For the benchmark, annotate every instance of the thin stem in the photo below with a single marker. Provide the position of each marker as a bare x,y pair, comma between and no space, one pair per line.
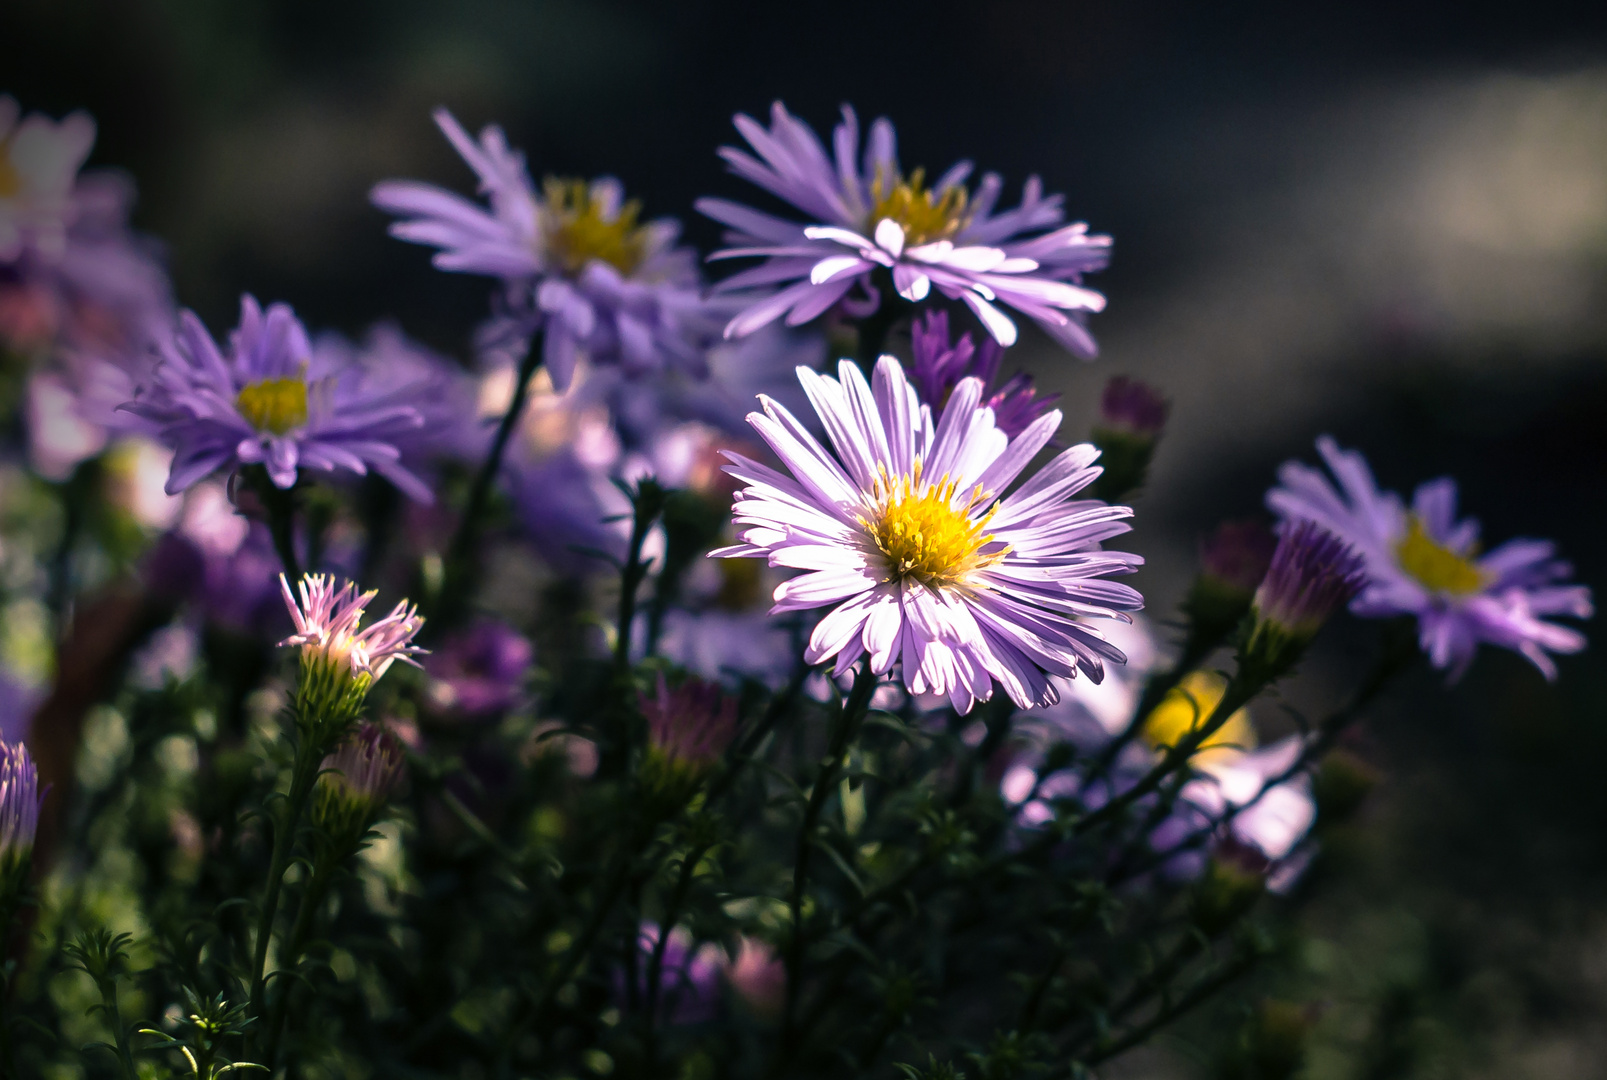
647,503
311,899
107,984
848,722
655,963
303,776
462,546
1201,992
281,507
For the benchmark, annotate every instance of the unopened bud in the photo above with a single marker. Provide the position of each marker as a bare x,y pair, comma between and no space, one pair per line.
355,782
1312,573
19,816
1132,415
1234,880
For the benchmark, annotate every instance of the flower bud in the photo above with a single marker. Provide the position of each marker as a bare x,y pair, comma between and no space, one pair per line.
1132,415
1312,573
1342,783
691,725
341,659
355,782
19,816
1232,563
1233,882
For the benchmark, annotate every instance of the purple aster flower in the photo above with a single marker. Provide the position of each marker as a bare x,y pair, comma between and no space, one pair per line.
938,364
364,768
271,401
330,634
573,258
19,811
692,724
478,672
867,215
1425,563
907,535
689,983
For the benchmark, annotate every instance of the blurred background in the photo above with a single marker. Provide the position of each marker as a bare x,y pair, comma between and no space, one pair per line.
1383,220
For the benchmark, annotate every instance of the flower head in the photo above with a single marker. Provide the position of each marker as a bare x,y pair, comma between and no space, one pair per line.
329,628
692,724
1132,406
19,811
1232,563
907,535
355,781
938,364
575,259
1312,573
864,216
1424,562
39,163
273,401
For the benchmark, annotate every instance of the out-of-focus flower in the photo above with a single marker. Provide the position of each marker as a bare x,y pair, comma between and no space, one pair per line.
136,478
271,401
689,986
714,642
575,261
394,370
1312,573
19,814
758,976
1425,563
71,272
938,364
1186,708
59,436
691,725
1232,563
1132,415
478,672
868,216
330,634
904,533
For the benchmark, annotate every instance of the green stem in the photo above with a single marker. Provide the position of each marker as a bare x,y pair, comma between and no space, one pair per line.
848,722
281,507
459,563
646,505
1199,994
107,985
303,776
311,899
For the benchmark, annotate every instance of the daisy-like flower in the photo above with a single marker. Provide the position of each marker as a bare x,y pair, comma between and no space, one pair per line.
908,534
271,400
868,215
330,633
1424,562
573,257
938,363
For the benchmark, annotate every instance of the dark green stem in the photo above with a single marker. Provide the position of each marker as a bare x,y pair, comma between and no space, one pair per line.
655,963
459,561
281,507
847,726
312,898
647,503
304,775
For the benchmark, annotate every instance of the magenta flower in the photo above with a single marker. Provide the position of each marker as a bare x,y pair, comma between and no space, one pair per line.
479,672
907,535
1132,407
1422,561
19,806
867,215
365,768
938,364
692,724
329,629
272,400
573,259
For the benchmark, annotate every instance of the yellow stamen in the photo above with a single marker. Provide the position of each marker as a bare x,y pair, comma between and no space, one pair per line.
276,405
924,533
10,178
576,231
1434,565
1187,707
925,215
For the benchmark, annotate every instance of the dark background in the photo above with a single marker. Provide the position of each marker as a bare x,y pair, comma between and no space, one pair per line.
1383,220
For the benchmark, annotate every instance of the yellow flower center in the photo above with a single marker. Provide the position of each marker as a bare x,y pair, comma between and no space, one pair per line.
925,215
1187,707
1435,566
10,178
924,533
576,230
276,405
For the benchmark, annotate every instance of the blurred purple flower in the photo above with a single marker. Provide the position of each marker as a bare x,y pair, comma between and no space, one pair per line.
1237,555
692,724
478,672
1425,563
868,215
937,366
271,400
689,986
573,259
1132,406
